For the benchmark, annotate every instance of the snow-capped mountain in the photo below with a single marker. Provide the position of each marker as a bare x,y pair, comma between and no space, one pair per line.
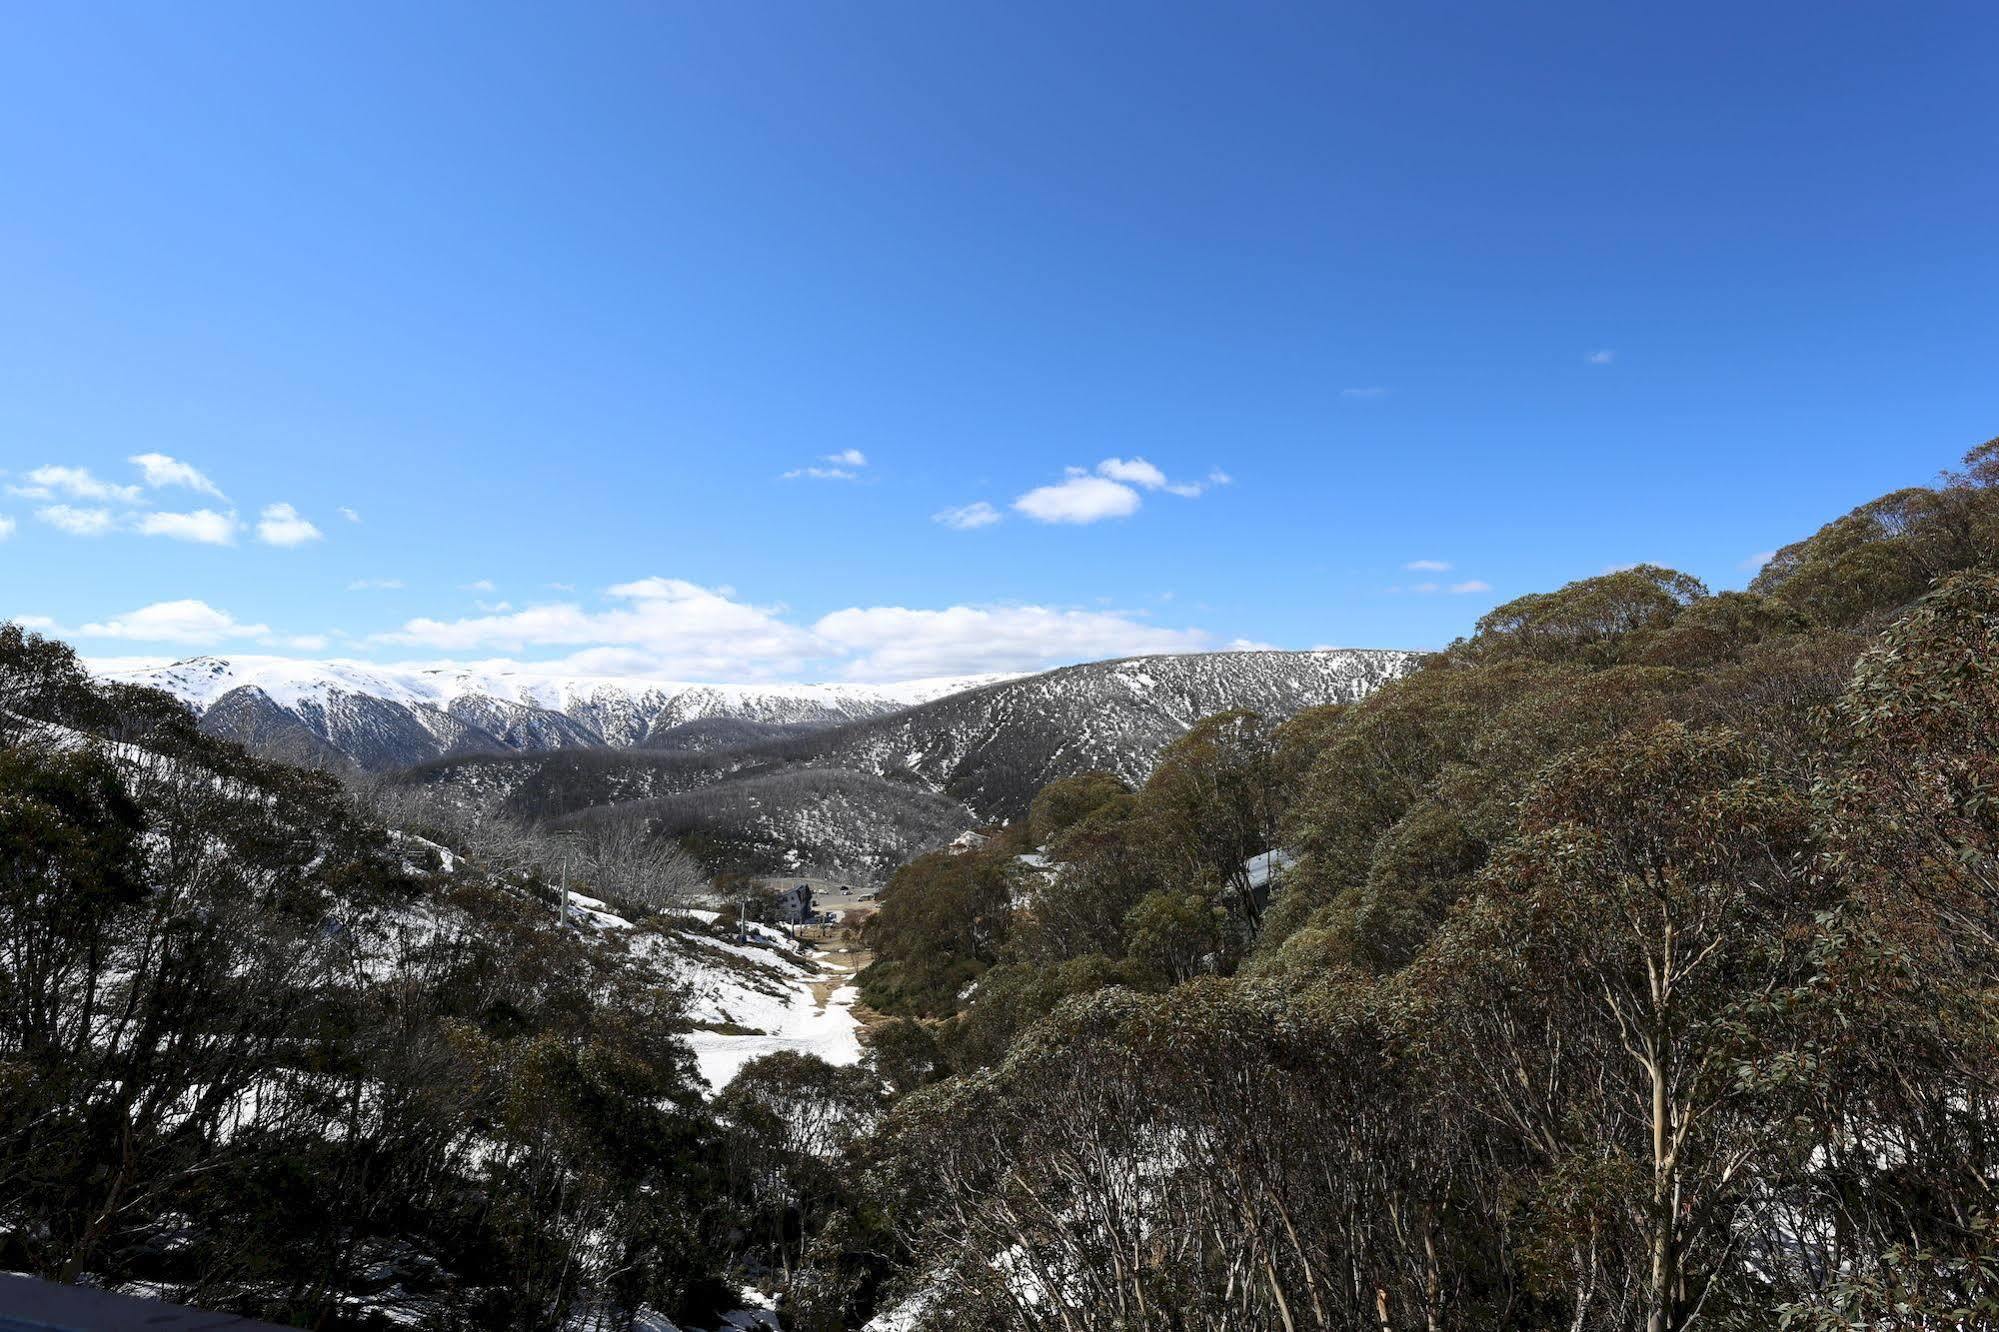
386,717
841,778
994,746
853,798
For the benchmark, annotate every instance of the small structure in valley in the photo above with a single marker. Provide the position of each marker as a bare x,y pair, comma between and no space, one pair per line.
794,905
1262,873
968,841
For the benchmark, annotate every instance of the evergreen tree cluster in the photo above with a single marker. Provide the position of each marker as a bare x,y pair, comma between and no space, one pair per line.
1639,967
260,1054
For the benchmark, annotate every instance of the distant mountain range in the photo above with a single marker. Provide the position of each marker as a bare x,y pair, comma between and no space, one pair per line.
843,779
383,718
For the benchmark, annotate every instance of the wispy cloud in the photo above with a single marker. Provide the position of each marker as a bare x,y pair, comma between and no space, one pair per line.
1431,588
375,585
75,482
674,629
1428,566
968,517
477,585
282,525
842,467
895,642
1603,356
1135,471
109,506
6,527
348,514
77,521
1757,561
160,471
188,622
203,526
1112,491
1370,391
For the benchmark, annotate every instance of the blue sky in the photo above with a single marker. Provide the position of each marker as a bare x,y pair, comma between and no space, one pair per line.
517,331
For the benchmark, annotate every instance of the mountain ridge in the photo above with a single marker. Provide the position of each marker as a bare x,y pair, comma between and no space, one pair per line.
380,718
848,779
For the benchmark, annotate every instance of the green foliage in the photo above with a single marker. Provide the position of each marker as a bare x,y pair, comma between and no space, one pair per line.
1174,937
250,1055
942,922
1013,996
1884,554
1594,621
1061,804
1637,971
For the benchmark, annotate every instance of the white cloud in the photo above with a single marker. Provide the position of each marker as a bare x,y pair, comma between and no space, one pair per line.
348,514
1603,357
1371,391
302,642
477,585
159,471
894,642
187,622
6,527
1428,566
842,469
281,525
374,584
668,628
1080,499
203,525
1113,492
1430,589
1757,561
75,521
659,626
75,482
1136,472
967,517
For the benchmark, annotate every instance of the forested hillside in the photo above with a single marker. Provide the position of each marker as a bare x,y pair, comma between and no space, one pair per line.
1629,963
908,779
261,1052
1636,970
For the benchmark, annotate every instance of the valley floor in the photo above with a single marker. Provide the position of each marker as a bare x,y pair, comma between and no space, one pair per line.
816,1018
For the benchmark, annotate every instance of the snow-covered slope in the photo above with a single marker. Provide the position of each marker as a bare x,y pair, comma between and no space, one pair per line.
853,800
383,717
846,780
995,746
